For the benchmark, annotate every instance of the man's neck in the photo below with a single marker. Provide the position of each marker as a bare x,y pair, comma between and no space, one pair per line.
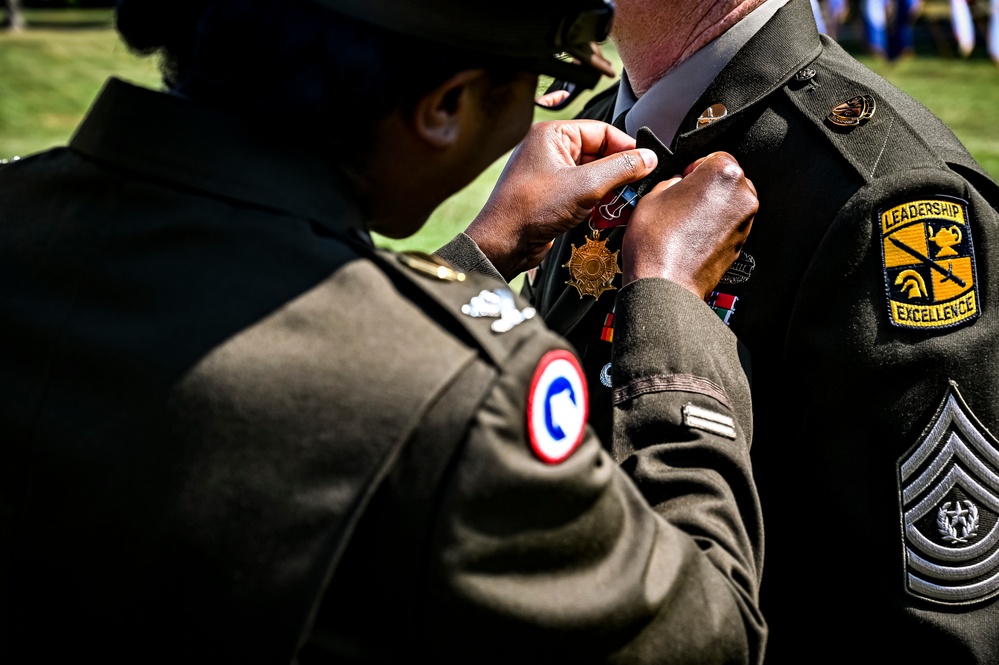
653,37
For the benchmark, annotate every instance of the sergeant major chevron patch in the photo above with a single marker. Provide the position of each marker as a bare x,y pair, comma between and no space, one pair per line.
949,497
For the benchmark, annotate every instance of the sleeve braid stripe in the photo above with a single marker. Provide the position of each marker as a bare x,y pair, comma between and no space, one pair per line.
671,382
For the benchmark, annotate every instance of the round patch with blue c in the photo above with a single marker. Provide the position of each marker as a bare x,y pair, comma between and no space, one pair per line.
557,406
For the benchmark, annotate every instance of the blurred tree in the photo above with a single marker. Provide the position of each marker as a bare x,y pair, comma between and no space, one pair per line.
15,19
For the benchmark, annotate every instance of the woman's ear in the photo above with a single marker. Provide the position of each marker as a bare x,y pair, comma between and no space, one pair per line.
440,115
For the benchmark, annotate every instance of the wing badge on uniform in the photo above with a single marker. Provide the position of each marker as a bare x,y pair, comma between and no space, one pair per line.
499,305
949,498
929,263
557,406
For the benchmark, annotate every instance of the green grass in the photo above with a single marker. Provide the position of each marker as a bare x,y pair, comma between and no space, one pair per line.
49,77
50,73
962,93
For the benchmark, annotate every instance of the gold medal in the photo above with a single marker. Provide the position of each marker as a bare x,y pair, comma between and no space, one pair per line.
592,267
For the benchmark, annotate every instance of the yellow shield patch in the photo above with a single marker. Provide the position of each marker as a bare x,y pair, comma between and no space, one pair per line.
929,263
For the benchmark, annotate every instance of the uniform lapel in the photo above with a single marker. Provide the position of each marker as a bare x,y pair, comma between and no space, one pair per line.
566,308
765,63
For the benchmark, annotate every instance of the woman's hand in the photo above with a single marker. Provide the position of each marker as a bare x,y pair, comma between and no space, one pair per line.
689,230
557,174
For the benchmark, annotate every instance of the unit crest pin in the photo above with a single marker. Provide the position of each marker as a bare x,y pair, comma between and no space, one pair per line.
853,112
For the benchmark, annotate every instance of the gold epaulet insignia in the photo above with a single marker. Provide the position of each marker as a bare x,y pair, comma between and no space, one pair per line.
431,265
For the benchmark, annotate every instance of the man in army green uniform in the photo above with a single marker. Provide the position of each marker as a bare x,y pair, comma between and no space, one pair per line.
234,431
866,301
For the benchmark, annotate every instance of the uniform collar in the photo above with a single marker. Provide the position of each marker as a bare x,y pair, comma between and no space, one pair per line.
771,57
779,50
196,147
664,106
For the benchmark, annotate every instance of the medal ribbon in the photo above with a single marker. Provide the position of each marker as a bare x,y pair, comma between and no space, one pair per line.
614,209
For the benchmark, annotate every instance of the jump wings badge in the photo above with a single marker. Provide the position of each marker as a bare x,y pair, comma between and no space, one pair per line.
929,263
949,496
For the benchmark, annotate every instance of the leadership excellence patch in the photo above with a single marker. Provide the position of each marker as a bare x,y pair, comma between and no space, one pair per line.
929,263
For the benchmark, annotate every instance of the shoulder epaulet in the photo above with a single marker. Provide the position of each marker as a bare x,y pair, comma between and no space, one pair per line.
866,128
488,312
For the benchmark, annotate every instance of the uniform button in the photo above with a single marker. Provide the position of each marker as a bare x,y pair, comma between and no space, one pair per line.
806,74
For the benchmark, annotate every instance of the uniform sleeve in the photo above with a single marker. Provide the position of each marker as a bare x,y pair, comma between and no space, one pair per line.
568,562
893,349
464,254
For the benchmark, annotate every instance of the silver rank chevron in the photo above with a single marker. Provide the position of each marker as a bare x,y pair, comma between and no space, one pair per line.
949,497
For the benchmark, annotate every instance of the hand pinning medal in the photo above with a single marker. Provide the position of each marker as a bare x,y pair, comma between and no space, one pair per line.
592,267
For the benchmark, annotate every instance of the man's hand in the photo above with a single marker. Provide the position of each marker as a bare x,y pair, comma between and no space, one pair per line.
553,179
689,230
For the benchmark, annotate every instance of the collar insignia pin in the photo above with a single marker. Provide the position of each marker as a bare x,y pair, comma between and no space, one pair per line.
853,112
713,113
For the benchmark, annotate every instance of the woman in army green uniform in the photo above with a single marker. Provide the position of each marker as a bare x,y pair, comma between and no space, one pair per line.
235,431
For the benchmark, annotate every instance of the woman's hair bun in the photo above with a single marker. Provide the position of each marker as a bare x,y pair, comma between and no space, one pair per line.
148,26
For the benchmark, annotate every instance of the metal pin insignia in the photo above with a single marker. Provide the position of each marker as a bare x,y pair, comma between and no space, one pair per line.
853,112
430,265
713,113
498,305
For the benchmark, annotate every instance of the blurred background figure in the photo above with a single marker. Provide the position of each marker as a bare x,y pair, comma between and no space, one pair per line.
963,25
876,26
820,20
901,39
888,26
994,30
830,15
838,10
14,18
